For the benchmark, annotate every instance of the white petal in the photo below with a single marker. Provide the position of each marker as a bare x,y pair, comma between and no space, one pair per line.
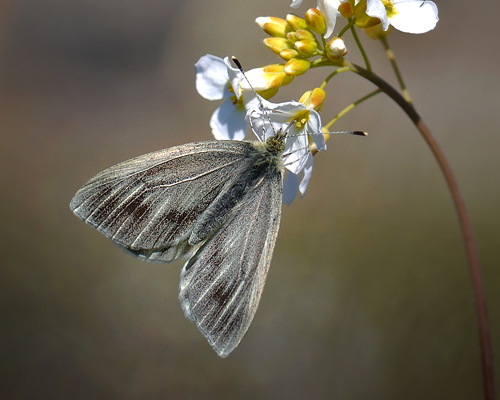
296,151
261,126
290,187
283,113
251,101
235,77
376,9
212,78
414,16
228,122
308,168
314,129
330,10
289,108
257,119
296,3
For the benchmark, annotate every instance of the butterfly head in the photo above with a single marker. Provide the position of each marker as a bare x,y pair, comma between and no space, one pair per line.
276,144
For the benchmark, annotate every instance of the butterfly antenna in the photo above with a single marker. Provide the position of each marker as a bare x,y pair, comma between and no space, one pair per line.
261,105
356,133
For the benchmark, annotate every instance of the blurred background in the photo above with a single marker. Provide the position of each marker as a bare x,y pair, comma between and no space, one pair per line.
368,295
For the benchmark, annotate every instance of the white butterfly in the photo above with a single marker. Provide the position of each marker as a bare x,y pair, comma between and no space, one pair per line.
217,203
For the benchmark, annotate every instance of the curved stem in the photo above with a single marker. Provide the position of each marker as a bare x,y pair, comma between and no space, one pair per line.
465,224
336,72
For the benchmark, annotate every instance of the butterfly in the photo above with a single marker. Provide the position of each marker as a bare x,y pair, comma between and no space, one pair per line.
217,203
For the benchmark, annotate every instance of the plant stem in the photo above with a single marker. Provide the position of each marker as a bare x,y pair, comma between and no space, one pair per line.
465,224
360,47
392,59
350,107
346,28
336,72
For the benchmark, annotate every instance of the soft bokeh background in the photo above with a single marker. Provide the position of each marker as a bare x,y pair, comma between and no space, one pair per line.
368,295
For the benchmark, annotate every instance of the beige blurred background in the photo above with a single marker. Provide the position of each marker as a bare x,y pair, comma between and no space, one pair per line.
368,295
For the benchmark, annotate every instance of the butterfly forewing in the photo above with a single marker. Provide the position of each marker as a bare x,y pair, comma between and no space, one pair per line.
222,283
148,205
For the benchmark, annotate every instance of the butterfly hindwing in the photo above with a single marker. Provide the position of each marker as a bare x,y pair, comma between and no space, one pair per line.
148,204
221,284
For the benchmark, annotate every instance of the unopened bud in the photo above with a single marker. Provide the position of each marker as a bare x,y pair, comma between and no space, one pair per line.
313,99
306,47
316,21
265,78
296,22
303,34
346,9
277,44
273,26
335,49
296,67
291,36
288,54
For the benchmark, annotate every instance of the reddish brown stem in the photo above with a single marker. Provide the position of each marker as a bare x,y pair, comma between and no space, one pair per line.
465,224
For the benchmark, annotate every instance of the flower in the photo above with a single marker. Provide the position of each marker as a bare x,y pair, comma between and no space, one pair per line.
216,79
410,16
298,121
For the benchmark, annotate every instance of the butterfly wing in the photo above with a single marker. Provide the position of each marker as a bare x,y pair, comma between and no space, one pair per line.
222,283
148,204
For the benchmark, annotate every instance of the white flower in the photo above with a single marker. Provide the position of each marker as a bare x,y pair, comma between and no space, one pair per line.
410,16
216,79
298,121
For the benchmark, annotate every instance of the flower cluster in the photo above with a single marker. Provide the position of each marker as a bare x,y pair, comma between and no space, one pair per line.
302,44
410,16
295,40
216,79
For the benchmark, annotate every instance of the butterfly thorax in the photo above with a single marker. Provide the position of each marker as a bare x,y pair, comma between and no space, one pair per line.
270,153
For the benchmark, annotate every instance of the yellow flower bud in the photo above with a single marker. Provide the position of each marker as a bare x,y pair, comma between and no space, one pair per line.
274,26
335,49
306,47
296,22
296,67
346,9
316,21
313,99
276,45
291,36
288,54
303,34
